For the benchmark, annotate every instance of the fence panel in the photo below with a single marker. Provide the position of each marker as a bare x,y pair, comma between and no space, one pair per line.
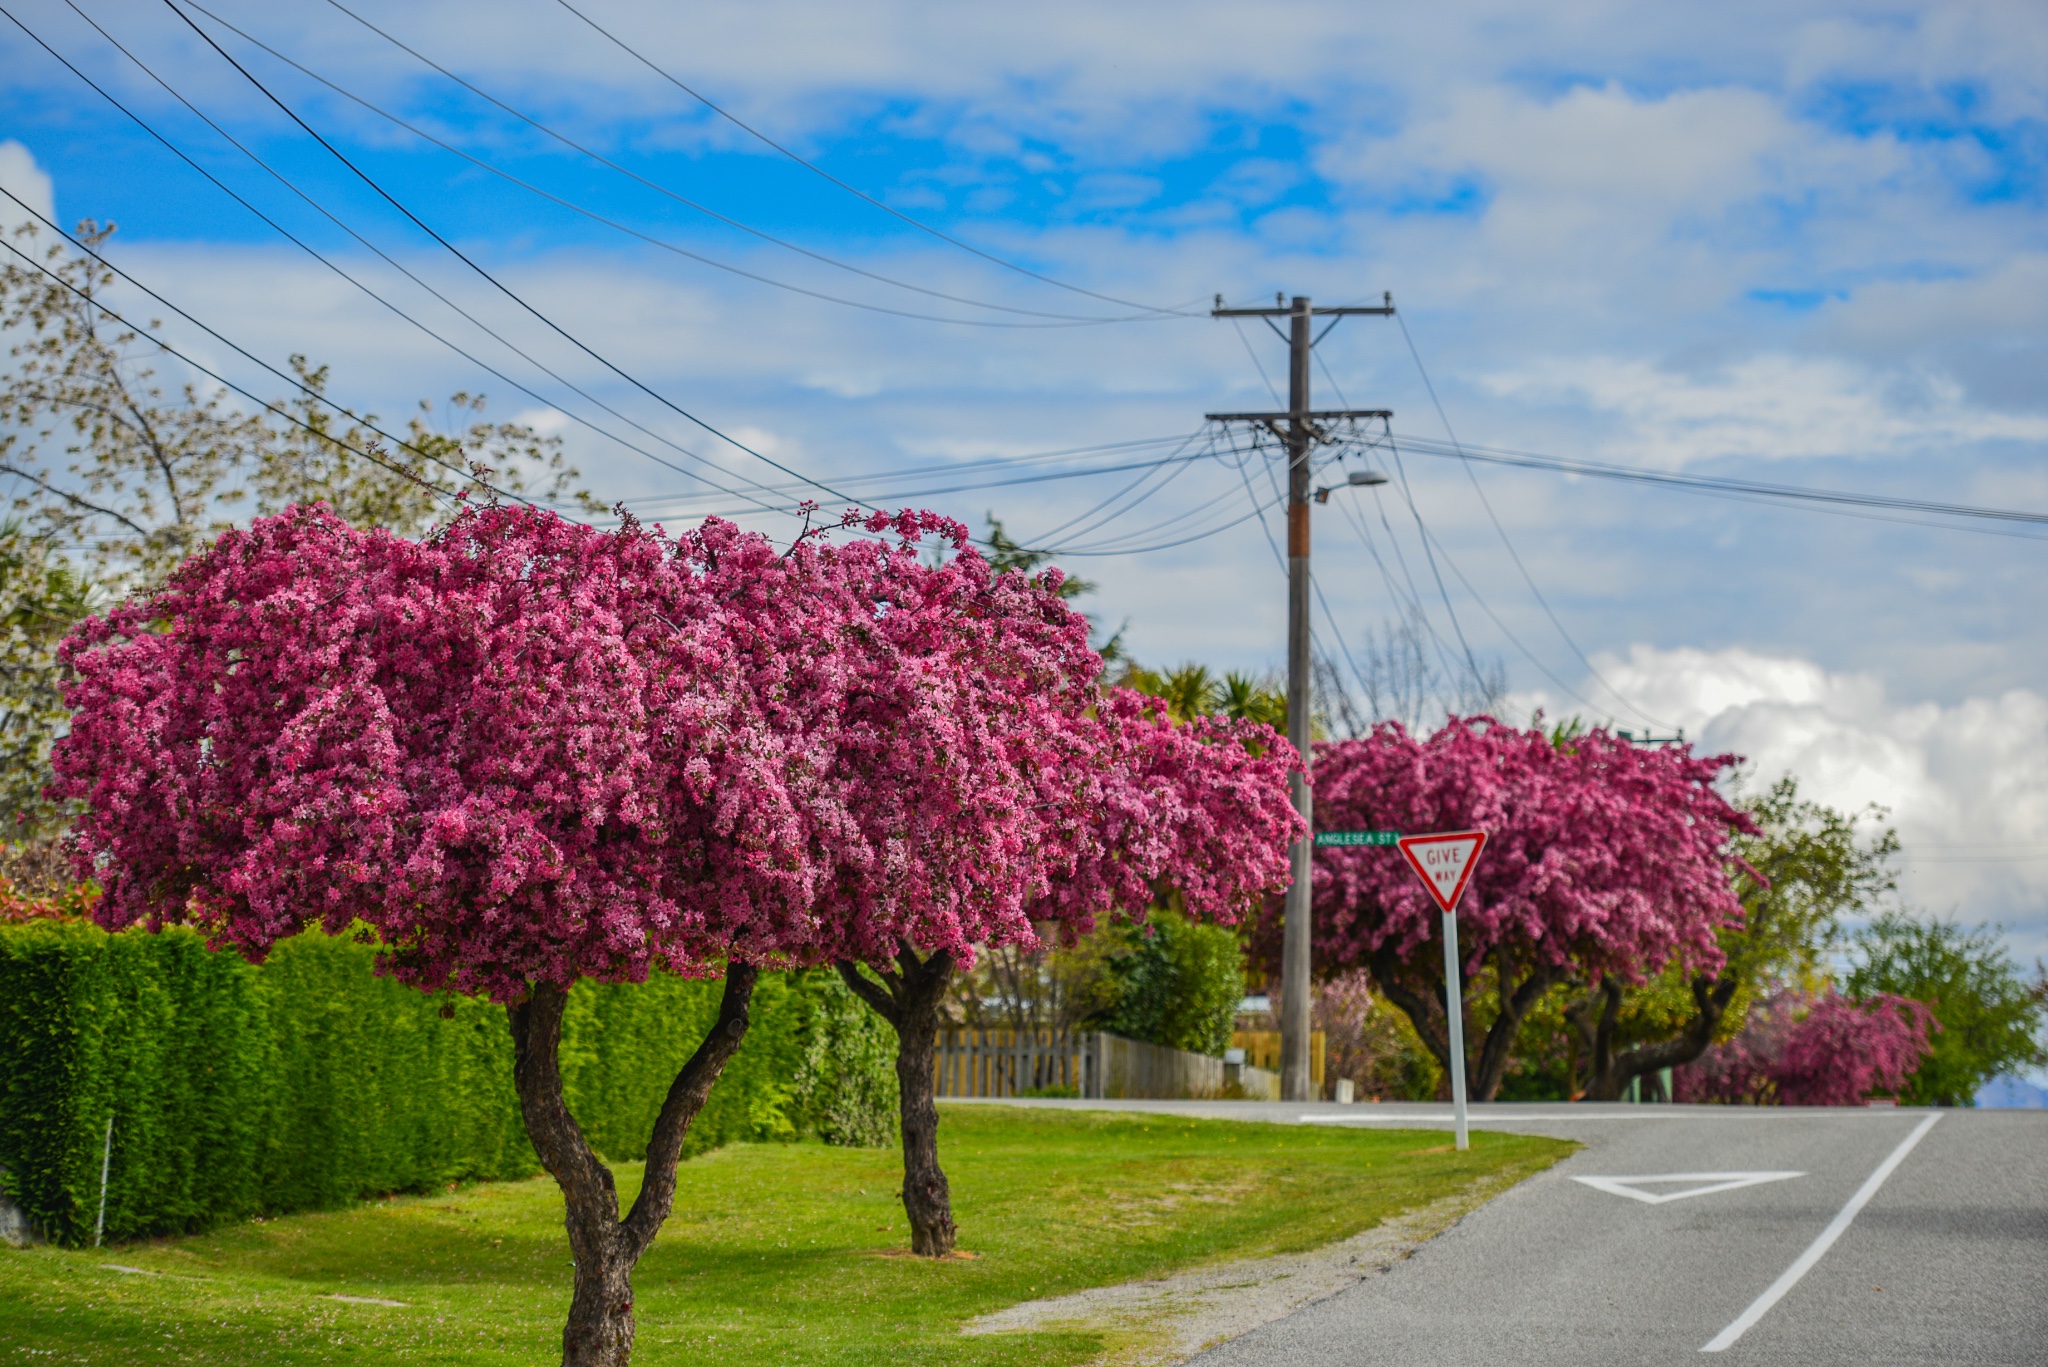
1001,1063
998,1063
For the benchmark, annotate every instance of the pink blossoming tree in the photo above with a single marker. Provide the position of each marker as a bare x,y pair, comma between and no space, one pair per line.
996,791
1605,861
521,753
1820,1051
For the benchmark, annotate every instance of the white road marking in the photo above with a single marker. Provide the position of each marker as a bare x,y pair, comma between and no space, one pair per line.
1490,1120
1419,1121
1714,1182
1761,1306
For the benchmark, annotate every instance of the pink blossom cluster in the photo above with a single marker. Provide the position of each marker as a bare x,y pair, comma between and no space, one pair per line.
1603,857
527,751
1143,806
1813,1051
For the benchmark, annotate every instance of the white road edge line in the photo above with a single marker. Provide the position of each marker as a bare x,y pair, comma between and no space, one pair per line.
1761,1306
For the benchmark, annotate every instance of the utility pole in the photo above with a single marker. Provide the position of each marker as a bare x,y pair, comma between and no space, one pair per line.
1300,432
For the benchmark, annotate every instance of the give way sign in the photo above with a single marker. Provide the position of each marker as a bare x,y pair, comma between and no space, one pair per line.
1444,862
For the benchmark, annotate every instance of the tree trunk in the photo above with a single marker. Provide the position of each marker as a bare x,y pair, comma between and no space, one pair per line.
606,1248
908,997
1423,1003
1609,1071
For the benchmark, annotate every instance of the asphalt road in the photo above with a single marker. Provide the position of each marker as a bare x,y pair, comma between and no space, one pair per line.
1945,1261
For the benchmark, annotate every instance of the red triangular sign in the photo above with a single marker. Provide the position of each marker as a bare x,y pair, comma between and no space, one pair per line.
1444,862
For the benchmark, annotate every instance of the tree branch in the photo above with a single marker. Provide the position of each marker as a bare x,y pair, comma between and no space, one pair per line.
1710,998
1430,1027
9,468
877,995
1514,1008
686,1096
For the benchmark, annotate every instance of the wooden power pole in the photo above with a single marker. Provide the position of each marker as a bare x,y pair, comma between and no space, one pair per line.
1300,431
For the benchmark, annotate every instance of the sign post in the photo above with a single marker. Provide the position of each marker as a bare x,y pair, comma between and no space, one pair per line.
1444,862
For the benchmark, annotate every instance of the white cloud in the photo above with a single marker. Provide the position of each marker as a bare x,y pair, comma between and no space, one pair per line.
27,182
1966,784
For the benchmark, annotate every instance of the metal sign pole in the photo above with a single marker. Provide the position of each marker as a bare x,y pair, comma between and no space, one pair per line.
1454,1003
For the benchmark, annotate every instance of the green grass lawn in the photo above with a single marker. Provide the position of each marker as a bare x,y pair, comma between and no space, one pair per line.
776,1253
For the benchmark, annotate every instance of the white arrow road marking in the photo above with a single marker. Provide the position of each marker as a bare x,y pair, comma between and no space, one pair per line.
1706,1184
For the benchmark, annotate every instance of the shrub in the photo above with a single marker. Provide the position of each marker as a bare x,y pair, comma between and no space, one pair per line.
1177,983
1371,1043
815,1063
311,1082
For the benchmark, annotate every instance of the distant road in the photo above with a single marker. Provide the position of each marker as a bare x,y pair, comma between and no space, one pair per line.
1945,1261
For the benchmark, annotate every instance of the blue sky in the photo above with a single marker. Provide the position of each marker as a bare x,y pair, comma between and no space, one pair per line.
1792,242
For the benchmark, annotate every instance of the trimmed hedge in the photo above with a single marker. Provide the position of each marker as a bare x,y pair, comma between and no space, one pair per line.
310,1082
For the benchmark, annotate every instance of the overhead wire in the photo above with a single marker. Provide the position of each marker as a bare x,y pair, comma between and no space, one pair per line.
1089,516
964,467
1164,545
318,256
511,294
1069,320
1414,595
858,193
1509,633
1257,364
1120,545
1849,502
365,452
1408,497
1280,561
1414,600
667,191
1444,417
871,497
1429,551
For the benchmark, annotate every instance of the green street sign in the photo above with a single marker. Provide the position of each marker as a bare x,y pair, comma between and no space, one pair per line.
1357,838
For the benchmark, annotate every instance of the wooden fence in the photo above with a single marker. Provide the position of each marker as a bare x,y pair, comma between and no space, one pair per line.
998,1063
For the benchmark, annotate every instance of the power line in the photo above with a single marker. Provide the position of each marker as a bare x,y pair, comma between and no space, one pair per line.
1069,320
242,351
1169,545
1514,555
1430,546
1150,465
1725,486
1413,603
1408,497
922,227
493,280
365,452
1085,516
1185,515
654,185
1260,365
1505,631
1415,597
313,252
994,463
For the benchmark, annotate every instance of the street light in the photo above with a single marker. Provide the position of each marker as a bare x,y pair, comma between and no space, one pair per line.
1357,478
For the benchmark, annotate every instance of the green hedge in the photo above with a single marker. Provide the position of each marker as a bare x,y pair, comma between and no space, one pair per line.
311,1082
